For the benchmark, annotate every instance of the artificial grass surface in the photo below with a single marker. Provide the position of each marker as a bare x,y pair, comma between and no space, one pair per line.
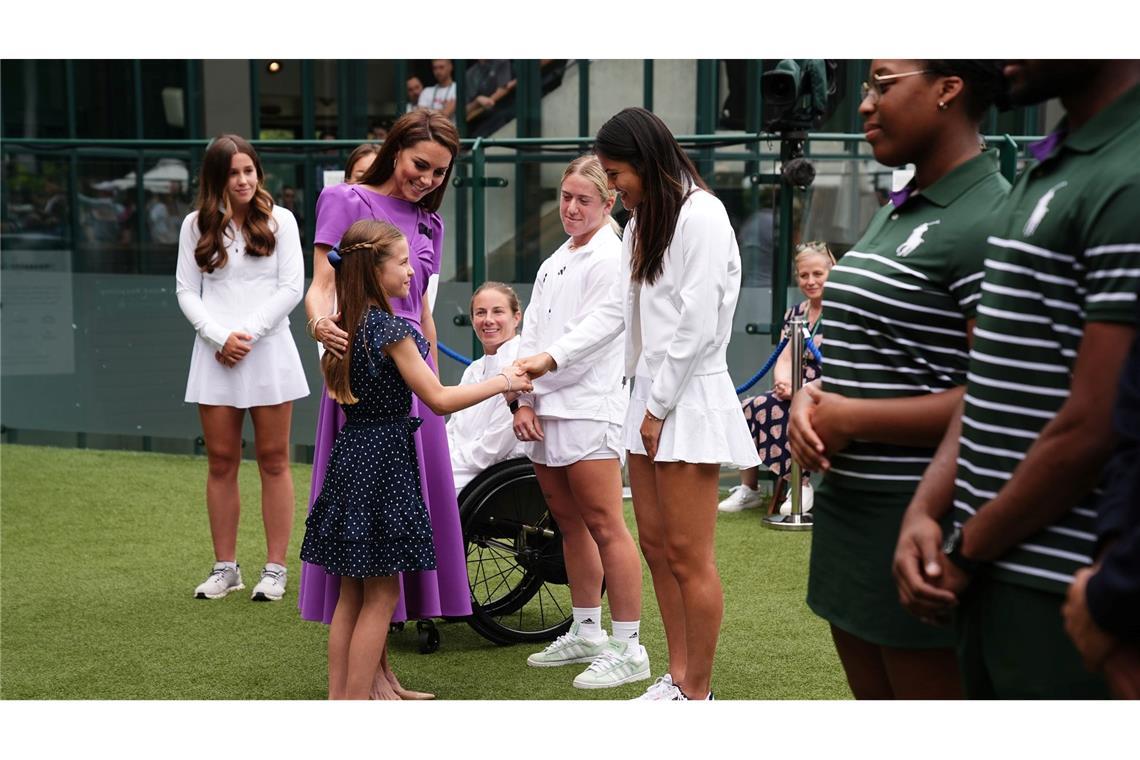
100,551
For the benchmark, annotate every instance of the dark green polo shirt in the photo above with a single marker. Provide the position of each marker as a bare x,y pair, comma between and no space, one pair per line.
895,309
1062,251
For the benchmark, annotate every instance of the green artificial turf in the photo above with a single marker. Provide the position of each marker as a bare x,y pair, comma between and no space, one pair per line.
100,551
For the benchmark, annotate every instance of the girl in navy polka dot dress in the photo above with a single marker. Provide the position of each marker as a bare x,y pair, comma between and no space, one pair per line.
370,521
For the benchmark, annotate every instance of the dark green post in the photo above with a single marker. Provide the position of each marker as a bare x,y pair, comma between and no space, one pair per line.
583,97
647,84
706,112
1007,153
478,241
783,260
254,100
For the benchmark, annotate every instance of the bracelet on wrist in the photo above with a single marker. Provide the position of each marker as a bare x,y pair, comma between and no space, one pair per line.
650,415
506,377
316,322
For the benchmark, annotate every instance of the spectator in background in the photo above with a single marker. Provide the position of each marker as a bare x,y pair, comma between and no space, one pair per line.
441,95
289,200
415,89
379,131
488,82
360,161
767,414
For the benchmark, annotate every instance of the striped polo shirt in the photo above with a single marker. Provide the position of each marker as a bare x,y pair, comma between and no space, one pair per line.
895,309
1062,251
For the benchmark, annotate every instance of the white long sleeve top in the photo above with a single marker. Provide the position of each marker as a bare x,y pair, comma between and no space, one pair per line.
679,326
483,435
570,286
252,294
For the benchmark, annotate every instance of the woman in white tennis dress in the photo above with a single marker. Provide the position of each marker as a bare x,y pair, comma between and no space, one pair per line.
240,272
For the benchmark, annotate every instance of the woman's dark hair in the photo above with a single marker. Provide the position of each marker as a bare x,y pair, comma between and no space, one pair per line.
215,214
983,79
641,139
412,128
363,249
359,152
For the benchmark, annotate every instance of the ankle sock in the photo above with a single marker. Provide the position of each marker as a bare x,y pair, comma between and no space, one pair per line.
627,631
589,620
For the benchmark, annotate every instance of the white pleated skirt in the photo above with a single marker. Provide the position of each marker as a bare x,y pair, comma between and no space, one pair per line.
271,373
706,427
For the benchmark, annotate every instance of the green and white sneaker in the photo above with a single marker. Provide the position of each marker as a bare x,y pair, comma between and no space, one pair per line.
621,662
568,649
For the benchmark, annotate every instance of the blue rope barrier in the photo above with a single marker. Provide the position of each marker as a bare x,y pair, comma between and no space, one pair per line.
740,389
811,346
454,354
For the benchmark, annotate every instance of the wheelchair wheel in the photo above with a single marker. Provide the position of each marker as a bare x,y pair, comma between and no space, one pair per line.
515,568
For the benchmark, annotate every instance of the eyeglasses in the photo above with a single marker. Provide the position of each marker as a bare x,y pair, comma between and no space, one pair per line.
874,89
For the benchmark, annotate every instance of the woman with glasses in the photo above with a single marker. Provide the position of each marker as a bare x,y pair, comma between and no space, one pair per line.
898,316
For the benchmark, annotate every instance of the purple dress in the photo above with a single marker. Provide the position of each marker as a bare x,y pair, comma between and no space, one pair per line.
443,592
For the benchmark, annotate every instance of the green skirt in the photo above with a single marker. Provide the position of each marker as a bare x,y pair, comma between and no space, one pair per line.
850,582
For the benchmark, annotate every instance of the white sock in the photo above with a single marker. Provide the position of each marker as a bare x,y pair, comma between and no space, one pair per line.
230,565
627,631
276,568
589,620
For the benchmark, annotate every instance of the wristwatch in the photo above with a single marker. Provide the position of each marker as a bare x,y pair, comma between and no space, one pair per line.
952,548
513,406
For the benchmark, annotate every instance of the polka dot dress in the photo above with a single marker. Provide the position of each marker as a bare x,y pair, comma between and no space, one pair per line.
370,518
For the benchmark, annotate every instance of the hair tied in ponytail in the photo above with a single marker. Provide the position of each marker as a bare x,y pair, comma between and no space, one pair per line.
334,257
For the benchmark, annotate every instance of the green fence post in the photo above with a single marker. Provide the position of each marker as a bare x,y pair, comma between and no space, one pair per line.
584,96
647,84
1007,152
478,214
783,261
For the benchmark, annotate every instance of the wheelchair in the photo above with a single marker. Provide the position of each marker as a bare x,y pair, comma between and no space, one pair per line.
519,589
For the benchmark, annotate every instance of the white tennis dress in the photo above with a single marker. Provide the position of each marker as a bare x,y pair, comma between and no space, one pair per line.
252,294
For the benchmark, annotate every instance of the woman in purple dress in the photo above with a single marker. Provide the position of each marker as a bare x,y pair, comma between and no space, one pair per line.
404,186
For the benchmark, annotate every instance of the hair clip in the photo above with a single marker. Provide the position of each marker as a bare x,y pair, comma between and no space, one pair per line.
425,231
334,257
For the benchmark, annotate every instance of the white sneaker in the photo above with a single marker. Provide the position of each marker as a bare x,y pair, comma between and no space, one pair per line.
740,498
807,499
271,587
622,662
680,697
662,690
568,649
222,580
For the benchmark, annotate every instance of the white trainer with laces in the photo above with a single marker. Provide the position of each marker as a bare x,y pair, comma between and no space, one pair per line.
621,662
567,649
662,690
271,587
222,580
740,498
807,499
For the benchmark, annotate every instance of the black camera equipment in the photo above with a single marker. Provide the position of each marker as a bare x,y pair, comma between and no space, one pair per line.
798,95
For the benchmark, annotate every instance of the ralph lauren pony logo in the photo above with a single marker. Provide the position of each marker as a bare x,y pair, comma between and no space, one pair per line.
1041,209
426,231
915,239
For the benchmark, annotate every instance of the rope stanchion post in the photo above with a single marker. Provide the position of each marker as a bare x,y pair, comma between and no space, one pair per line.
796,520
